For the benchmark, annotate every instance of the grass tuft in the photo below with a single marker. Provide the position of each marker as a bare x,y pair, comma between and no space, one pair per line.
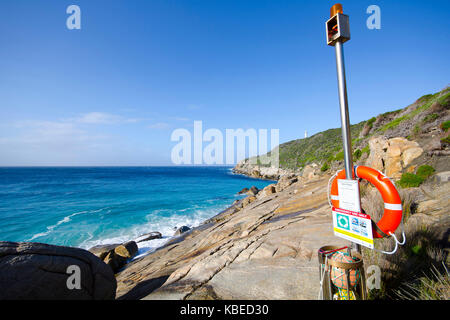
410,180
425,171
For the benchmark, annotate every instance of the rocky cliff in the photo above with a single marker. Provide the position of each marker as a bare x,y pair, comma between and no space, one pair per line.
403,135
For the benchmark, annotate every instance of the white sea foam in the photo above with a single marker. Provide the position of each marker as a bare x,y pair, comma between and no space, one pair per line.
165,225
54,226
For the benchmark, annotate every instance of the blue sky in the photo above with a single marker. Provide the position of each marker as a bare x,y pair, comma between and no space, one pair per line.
113,92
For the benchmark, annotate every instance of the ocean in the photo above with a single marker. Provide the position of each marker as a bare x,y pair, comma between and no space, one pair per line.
88,206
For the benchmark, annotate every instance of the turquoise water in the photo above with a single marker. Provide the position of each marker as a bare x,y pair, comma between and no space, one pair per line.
85,206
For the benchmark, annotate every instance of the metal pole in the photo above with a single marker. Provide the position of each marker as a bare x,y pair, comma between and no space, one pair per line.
345,120
343,102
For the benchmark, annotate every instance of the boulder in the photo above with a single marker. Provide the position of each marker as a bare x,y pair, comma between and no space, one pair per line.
37,271
434,144
245,190
253,191
442,177
115,261
410,154
393,164
310,171
428,206
116,255
181,230
248,200
393,155
149,236
268,190
256,173
286,181
127,250
378,147
102,250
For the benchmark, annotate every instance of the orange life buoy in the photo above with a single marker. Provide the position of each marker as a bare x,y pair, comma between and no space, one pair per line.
392,216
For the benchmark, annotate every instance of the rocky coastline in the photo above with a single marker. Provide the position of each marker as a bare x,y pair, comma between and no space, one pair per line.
263,246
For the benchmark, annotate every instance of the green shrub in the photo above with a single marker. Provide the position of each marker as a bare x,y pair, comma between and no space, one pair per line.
427,103
394,123
339,156
425,171
371,121
444,100
445,126
431,117
325,167
446,140
366,149
410,180
425,98
434,285
417,130
357,154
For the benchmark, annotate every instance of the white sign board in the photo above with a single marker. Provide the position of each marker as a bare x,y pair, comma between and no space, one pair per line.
349,195
353,226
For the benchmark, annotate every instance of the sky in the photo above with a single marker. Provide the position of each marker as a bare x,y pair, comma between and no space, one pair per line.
112,92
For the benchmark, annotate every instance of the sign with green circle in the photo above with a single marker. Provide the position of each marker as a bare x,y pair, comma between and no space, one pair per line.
343,221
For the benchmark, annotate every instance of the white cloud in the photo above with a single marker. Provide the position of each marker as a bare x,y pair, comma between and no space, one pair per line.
91,138
159,126
99,118
180,119
103,118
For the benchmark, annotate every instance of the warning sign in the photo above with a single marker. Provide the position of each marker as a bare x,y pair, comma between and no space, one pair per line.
353,226
349,195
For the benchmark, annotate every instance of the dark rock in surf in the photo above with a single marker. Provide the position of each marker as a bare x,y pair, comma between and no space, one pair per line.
149,236
253,191
181,230
245,190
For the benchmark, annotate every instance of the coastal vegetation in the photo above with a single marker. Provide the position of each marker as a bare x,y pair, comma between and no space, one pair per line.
411,180
326,146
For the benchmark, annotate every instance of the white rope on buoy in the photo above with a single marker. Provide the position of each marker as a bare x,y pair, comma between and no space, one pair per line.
397,243
322,276
329,188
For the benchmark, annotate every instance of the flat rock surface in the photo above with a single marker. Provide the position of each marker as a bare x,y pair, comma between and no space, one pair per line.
267,250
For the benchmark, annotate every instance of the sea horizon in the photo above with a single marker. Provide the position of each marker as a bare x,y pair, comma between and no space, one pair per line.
85,206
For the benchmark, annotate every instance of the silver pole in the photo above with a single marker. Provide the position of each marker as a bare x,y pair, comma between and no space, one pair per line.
345,120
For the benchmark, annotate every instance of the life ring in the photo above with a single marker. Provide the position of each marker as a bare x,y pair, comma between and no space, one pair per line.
392,216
